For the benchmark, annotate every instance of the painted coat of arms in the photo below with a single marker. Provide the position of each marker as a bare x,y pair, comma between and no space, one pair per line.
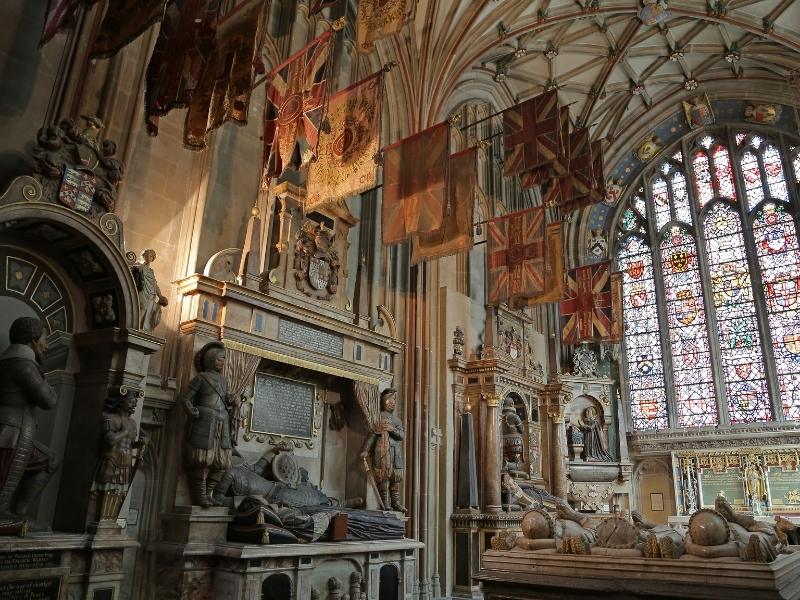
77,189
316,262
698,111
763,114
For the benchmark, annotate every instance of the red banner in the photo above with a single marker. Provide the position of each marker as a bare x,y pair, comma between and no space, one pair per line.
532,134
415,184
516,255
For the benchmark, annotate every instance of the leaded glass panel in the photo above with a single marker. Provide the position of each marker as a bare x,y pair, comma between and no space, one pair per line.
661,202
703,189
773,169
680,197
642,337
737,326
723,172
688,333
779,257
751,173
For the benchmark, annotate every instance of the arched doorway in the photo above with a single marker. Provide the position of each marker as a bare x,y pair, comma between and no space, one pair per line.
276,587
389,586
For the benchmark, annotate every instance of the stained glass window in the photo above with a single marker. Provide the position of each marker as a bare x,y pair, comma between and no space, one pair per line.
737,325
642,337
688,333
779,260
709,301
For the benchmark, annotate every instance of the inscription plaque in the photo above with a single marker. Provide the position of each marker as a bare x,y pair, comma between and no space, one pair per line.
45,588
38,559
729,483
283,407
304,336
784,489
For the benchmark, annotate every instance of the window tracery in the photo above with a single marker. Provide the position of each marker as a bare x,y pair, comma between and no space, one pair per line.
714,305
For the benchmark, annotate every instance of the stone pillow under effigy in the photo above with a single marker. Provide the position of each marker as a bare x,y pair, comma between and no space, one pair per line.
254,511
263,533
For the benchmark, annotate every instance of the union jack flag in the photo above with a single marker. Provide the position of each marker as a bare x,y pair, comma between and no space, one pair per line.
516,255
532,134
592,308
295,109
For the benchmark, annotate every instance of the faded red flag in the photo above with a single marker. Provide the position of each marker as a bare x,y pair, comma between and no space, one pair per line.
415,184
532,135
123,22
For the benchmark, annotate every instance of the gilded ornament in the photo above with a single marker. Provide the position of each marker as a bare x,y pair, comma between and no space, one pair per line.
649,147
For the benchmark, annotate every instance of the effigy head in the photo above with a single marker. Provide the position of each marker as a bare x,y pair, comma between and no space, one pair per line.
537,524
708,528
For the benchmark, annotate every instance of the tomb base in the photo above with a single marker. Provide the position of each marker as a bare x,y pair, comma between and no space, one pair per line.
523,575
55,566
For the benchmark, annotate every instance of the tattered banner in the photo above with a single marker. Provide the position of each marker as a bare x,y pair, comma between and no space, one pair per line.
553,270
345,164
295,109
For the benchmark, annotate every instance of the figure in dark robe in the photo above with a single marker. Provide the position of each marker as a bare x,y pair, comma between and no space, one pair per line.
593,437
25,464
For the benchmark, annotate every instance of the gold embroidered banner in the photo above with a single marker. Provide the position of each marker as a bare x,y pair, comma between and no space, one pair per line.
378,19
455,235
415,184
345,164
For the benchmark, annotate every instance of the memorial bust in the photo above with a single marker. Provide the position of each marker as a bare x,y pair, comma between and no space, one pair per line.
208,441
25,464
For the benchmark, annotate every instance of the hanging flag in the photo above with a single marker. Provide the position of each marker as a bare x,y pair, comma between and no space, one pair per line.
295,108
532,134
588,186
415,184
316,6
560,165
223,93
377,19
553,270
345,164
516,255
123,22
588,310
184,43
616,308
455,234
61,16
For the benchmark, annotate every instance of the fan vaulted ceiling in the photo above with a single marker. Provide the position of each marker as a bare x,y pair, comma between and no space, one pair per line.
611,67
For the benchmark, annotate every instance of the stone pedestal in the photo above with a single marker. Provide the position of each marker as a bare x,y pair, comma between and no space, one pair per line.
61,566
196,526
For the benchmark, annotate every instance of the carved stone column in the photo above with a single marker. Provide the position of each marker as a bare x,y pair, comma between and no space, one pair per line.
558,446
494,456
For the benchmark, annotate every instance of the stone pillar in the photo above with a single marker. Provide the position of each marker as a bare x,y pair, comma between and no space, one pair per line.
493,454
558,446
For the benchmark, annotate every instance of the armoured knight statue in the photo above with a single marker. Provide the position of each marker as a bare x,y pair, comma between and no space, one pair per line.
208,442
114,472
385,446
513,442
151,300
25,464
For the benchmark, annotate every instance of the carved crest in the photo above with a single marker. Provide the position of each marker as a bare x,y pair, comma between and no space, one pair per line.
75,168
698,111
614,190
316,263
649,147
763,114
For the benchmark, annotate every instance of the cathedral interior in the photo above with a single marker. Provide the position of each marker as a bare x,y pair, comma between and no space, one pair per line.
399,299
